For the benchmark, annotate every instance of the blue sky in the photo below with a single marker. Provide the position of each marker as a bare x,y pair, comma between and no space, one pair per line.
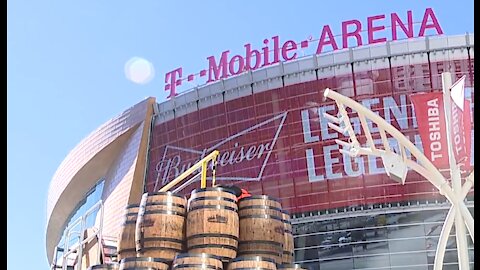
65,73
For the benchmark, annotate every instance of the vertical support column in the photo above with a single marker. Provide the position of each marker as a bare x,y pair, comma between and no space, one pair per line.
460,231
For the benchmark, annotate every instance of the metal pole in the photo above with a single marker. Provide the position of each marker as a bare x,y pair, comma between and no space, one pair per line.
460,232
203,179
99,234
78,266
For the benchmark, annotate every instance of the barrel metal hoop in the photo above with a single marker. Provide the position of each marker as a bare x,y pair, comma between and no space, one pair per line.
261,252
197,255
260,216
222,235
213,207
167,212
196,265
140,268
256,197
253,258
212,189
168,193
260,207
213,198
252,268
159,248
166,239
165,203
143,259
129,222
212,246
104,267
296,266
266,242
127,250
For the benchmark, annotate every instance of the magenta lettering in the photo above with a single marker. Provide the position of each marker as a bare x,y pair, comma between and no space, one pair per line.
248,57
265,53
371,29
355,33
172,82
425,25
231,65
275,51
331,40
288,46
214,69
407,30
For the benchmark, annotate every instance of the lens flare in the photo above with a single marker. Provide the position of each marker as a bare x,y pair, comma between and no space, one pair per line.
139,70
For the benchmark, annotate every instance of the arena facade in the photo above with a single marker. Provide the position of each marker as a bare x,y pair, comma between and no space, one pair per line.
269,127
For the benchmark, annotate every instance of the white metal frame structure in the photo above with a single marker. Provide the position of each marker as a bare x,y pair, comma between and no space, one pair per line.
396,166
77,247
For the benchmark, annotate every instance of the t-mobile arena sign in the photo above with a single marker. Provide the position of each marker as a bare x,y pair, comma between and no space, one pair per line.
275,51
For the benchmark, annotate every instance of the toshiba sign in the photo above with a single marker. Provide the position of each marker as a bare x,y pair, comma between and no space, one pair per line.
378,28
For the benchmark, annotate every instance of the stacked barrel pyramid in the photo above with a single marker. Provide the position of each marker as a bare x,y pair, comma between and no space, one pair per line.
210,230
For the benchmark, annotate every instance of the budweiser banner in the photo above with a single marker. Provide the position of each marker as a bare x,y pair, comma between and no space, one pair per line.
430,114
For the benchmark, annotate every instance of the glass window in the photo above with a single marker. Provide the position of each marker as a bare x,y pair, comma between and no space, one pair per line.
375,261
91,198
399,240
338,264
404,259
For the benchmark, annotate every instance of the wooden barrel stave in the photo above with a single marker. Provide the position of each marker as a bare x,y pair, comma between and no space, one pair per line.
143,263
160,231
126,239
252,262
106,266
288,246
212,223
290,267
261,228
192,261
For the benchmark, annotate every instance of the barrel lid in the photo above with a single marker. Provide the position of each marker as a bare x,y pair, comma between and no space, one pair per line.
296,266
168,193
143,259
197,255
256,197
253,258
108,266
213,189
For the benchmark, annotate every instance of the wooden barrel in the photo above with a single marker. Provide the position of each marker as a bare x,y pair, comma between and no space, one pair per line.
126,239
160,231
288,247
212,223
197,261
106,266
252,262
143,263
261,227
290,267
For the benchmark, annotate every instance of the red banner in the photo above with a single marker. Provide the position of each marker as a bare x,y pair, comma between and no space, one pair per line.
461,129
430,114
